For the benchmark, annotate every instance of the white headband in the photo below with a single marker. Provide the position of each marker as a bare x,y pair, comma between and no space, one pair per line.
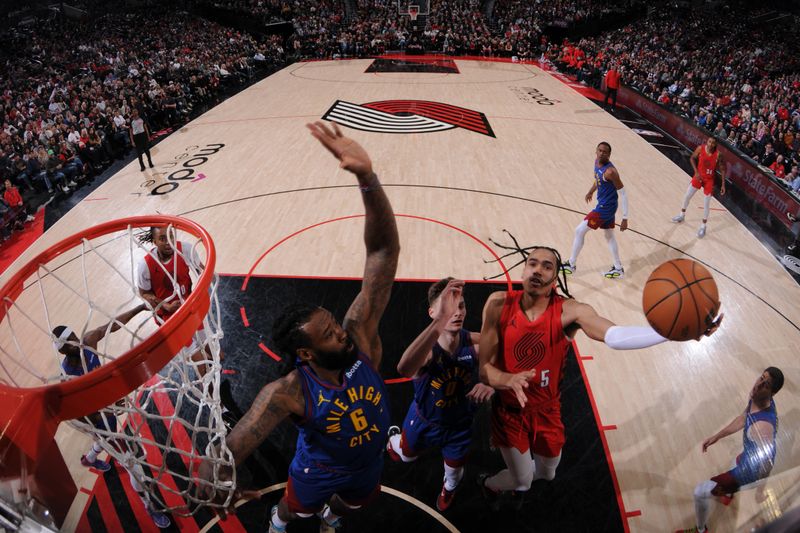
62,339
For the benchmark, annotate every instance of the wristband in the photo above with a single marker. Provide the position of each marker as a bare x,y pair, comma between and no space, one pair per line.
373,185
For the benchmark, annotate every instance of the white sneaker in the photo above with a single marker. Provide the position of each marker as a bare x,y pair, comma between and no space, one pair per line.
679,218
72,184
272,527
615,273
701,232
568,268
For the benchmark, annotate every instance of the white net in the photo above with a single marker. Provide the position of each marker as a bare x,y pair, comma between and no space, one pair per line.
84,309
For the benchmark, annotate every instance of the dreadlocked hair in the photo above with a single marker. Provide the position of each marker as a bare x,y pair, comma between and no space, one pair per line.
145,236
287,332
148,235
561,277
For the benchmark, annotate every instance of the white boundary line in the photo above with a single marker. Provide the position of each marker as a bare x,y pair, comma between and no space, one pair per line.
388,490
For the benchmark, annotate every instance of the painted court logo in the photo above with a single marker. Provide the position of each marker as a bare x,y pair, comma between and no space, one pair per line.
407,116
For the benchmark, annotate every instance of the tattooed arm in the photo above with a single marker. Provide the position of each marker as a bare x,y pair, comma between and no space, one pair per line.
273,404
380,237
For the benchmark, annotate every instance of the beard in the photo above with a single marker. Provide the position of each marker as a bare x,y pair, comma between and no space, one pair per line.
338,360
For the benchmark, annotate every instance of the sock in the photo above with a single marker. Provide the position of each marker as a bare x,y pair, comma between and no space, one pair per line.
706,207
614,247
452,476
329,516
689,193
577,244
702,502
91,455
277,522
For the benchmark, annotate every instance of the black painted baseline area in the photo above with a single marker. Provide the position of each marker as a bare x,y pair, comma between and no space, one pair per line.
581,498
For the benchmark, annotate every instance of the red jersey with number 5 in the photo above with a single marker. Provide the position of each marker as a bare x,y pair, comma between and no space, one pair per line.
539,344
706,164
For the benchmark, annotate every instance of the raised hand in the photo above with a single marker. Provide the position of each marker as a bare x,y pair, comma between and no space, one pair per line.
352,156
447,304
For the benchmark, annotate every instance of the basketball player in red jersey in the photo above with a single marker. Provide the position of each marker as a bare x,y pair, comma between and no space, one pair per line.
523,347
705,160
155,273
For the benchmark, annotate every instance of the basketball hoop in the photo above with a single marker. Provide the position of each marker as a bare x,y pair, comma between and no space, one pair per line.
146,376
413,11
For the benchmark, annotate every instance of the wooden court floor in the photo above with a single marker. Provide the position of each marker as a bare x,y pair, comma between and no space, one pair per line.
255,176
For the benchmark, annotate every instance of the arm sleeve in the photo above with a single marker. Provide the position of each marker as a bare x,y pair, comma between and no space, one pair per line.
623,196
632,337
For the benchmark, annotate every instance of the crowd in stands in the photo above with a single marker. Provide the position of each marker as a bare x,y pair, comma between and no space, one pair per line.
733,78
65,109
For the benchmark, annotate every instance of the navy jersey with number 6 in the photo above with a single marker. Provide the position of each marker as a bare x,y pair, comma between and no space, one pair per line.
344,428
440,392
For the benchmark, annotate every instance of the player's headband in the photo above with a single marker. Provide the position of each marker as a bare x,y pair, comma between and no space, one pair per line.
62,339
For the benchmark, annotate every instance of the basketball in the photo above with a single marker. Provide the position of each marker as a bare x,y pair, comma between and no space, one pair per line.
680,299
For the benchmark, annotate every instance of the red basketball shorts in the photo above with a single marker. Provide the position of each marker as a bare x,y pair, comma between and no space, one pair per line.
706,184
539,430
595,220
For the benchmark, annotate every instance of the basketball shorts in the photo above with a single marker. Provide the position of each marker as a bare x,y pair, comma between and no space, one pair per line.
419,435
310,487
104,421
537,429
744,473
596,220
707,184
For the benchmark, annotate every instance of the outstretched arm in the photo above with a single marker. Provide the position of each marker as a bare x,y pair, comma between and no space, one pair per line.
617,337
488,352
737,424
274,403
380,237
419,352
93,337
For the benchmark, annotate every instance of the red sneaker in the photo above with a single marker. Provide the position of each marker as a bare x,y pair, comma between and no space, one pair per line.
445,499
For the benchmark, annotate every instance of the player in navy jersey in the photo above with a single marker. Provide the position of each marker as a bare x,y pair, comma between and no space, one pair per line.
760,424
443,361
334,395
80,357
609,189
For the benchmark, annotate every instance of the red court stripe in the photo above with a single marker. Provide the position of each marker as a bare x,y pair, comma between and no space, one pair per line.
610,461
711,208
86,491
587,357
155,460
396,380
269,352
146,524
181,440
106,506
244,317
608,428
631,514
